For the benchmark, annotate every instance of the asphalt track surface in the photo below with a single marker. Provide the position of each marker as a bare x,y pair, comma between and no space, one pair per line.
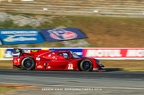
104,83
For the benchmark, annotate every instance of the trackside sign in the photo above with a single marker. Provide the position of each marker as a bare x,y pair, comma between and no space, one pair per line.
98,53
114,53
0,42
61,34
20,36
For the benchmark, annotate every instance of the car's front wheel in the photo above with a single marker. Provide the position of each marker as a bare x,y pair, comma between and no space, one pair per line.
28,63
85,65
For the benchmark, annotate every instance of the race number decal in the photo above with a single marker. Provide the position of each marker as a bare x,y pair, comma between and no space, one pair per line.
70,66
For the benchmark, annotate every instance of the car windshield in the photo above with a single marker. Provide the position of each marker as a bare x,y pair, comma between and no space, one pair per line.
75,55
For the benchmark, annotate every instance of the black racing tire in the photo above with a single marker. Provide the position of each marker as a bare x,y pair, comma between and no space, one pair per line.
86,65
28,63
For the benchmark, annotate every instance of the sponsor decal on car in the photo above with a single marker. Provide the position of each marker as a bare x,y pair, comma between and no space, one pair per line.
37,58
39,66
49,67
70,66
34,50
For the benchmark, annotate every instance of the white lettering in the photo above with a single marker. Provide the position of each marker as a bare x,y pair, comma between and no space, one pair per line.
135,53
103,53
39,66
37,58
19,32
18,60
70,66
12,39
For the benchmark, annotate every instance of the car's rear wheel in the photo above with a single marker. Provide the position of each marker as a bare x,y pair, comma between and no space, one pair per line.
28,63
86,65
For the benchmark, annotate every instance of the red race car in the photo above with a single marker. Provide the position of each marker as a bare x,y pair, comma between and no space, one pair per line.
54,60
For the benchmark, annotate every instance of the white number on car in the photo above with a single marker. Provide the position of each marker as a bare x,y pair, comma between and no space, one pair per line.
70,66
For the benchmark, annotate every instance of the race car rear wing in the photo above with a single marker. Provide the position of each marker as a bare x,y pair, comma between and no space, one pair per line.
19,52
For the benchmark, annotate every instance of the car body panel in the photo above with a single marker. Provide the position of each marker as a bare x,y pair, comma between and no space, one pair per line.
53,60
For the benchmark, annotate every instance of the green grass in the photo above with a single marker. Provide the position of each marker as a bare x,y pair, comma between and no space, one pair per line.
101,31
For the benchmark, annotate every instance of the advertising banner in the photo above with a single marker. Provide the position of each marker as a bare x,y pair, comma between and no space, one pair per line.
23,36
99,53
6,53
60,34
115,53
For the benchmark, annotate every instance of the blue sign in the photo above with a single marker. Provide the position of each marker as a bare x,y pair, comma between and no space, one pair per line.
78,51
60,34
8,53
0,42
23,36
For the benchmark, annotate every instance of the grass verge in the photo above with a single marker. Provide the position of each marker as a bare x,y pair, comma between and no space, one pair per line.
6,64
4,90
10,88
127,65
100,31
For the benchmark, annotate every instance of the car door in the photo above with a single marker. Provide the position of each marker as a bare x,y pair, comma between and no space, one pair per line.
61,60
57,60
